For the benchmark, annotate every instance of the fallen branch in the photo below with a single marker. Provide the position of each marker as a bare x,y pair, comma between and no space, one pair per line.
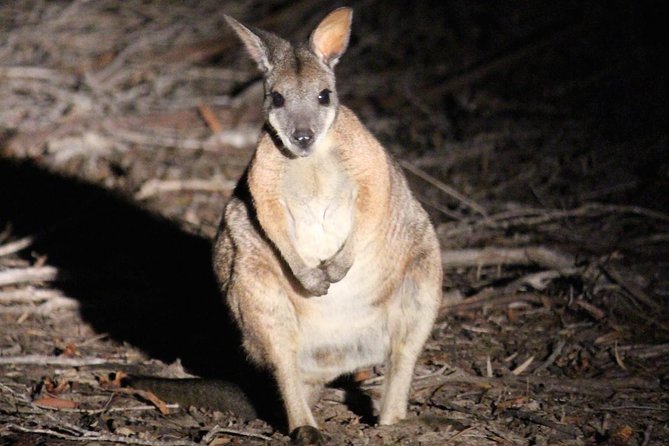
28,275
28,295
154,187
58,360
540,255
16,246
46,308
90,436
487,298
633,289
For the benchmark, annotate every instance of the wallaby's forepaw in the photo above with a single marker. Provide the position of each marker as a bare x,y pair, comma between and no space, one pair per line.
306,436
334,270
314,280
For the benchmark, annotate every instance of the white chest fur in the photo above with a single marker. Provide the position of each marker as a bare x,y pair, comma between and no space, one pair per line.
320,201
343,330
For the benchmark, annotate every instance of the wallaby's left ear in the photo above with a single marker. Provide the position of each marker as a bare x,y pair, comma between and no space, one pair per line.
330,38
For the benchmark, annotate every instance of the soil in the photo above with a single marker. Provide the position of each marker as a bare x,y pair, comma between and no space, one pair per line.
534,133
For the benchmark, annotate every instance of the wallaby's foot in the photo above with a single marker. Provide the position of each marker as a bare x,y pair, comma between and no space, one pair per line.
335,270
306,436
314,280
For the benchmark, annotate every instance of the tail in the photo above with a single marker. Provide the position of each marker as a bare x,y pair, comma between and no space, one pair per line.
211,394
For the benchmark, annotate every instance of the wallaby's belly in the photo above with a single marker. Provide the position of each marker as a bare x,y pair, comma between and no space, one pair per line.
343,330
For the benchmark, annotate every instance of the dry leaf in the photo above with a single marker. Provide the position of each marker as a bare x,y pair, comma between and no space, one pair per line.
55,403
621,437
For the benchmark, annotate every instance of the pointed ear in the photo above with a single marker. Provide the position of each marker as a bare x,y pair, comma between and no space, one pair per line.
330,38
255,46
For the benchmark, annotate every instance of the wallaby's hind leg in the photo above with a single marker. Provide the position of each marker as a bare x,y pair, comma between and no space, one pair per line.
410,326
273,341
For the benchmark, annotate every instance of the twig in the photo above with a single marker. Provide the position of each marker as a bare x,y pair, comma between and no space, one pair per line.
540,280
487,298
630,287
448,190
210,118
154,187
28,275
28,294
45,308
541,255
58,360
459,434
553,356
595,312
112,409
521,368
534,418
647,434
16,246
218,429
89,436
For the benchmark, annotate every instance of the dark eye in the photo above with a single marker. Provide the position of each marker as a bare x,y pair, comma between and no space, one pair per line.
277,99
324,97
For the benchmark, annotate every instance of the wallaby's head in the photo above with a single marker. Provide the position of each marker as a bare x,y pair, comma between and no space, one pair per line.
300,95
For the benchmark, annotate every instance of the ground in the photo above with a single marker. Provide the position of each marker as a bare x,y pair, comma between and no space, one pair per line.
535,134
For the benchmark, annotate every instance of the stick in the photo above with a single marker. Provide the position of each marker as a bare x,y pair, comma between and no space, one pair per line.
154,187
521,368
28,275
534,418
448,190
507,256
553,356
210,118
216,429
89,436
113,409
631,288
29,294
16,246
58,360
486,299
46,308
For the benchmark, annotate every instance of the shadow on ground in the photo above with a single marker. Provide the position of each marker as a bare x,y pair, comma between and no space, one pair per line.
139,278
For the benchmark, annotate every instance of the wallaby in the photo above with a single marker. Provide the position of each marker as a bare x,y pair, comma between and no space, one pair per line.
328,263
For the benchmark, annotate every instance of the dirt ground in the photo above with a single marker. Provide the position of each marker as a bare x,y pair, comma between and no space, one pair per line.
534,133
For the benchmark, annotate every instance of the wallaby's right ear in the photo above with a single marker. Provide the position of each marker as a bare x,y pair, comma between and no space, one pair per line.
330,38
255,46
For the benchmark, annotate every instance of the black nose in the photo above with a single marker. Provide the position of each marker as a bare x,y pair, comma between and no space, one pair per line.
303,137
